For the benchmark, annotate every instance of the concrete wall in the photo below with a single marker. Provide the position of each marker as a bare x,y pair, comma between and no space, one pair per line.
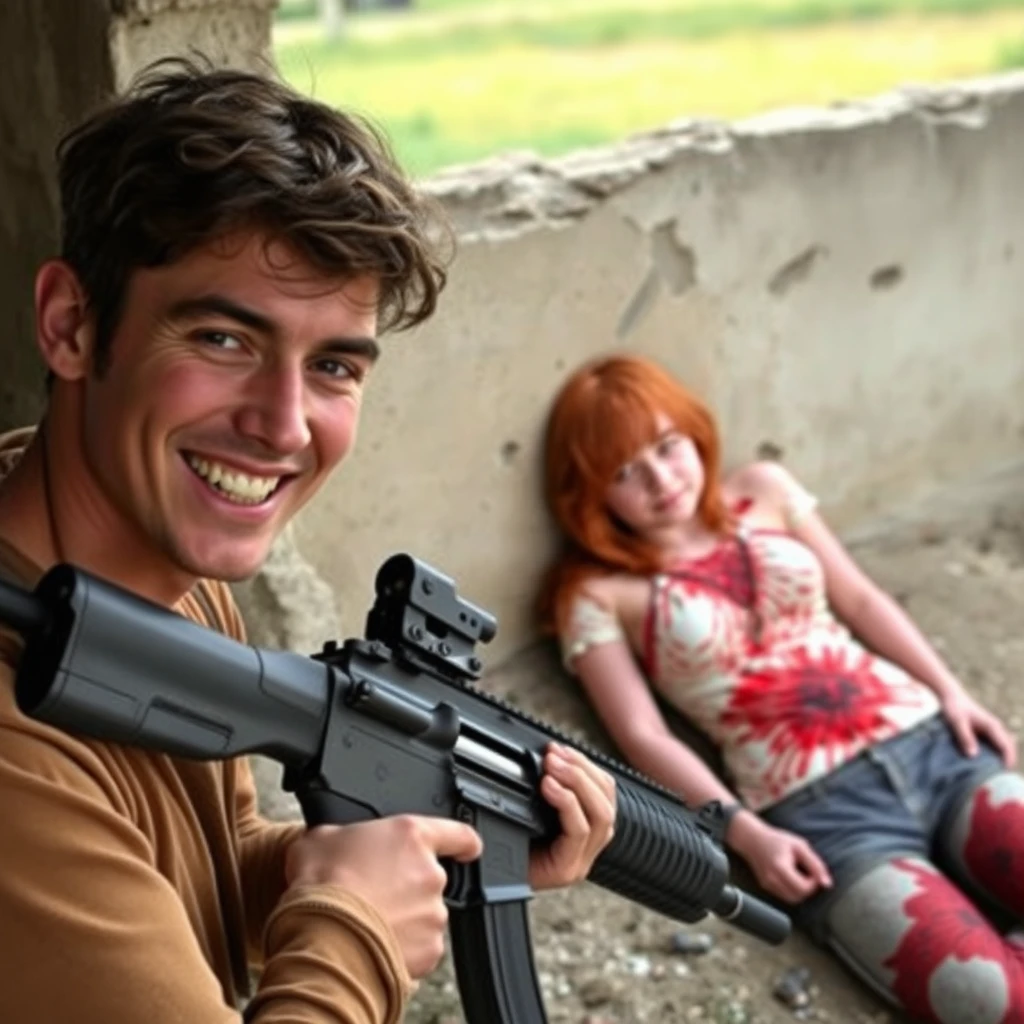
844,286
58,58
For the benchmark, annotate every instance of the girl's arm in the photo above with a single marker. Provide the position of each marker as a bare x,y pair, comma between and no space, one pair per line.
783,863
622,700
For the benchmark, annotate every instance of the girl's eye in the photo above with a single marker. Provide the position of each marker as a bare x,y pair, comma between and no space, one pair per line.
623,473
670,443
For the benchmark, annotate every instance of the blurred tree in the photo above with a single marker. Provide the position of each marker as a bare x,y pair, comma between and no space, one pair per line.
332,16
333,12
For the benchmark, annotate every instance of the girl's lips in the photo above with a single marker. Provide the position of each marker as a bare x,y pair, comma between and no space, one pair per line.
669,503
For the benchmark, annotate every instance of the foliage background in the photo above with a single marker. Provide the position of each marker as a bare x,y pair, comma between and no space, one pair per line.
453,81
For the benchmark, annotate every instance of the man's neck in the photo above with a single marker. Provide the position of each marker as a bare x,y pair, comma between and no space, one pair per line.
50,515
24,521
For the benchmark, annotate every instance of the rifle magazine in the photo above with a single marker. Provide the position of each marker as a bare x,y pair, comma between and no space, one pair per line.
494,966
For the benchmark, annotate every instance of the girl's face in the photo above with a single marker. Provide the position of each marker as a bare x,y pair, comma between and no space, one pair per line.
660,487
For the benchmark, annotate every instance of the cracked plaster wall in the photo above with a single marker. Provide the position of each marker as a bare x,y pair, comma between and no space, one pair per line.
842,285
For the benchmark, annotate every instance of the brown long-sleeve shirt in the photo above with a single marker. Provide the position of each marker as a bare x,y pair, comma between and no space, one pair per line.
136,887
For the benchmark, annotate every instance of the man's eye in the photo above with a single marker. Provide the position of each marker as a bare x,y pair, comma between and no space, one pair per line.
220,339
338,369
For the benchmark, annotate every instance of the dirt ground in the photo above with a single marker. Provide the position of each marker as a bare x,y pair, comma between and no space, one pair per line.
603,960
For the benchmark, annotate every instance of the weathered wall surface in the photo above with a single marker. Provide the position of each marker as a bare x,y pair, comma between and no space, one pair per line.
57,60
844,286
53,65
229,32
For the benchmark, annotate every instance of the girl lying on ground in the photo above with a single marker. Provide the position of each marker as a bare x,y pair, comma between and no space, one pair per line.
869,791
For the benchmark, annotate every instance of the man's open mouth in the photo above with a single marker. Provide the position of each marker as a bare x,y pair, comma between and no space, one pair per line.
241,488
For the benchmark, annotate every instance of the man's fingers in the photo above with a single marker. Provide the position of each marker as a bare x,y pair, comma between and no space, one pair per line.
584,797
450,838
593,788
564,861
604,780
571,815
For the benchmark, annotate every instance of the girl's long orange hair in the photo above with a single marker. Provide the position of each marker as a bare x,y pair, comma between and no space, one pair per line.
605,413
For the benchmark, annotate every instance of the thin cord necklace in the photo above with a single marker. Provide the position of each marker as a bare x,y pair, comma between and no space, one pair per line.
51,511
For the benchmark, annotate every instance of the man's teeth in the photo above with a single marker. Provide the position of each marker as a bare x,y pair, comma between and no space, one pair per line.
240,487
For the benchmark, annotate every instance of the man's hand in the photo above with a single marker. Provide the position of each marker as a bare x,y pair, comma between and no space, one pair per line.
392,863
584,796
783,863
971,722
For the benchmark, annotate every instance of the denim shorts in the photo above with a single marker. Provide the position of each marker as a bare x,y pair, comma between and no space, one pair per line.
900,797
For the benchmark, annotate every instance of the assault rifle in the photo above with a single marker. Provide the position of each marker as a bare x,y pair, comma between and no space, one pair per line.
378,726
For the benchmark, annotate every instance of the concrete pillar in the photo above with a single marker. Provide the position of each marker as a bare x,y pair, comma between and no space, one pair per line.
57,60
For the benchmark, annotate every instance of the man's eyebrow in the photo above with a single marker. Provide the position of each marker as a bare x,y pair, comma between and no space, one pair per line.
365,347
220,305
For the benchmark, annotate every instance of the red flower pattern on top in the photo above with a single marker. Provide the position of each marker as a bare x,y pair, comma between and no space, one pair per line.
827,703
743,642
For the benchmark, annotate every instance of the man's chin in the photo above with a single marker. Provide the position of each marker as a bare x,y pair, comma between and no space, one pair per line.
236,569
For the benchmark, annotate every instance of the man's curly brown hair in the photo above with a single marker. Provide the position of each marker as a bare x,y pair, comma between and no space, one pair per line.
192,153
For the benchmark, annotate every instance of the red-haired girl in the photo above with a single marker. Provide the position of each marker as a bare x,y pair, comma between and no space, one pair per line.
866,788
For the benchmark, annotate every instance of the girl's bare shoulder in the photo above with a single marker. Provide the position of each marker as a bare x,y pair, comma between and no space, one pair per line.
621,593
760,490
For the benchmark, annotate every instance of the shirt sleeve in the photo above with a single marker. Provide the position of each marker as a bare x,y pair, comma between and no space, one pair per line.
281,924
93,931
589,625
262,846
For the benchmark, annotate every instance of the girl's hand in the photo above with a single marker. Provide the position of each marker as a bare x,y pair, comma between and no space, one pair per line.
783,863
971,722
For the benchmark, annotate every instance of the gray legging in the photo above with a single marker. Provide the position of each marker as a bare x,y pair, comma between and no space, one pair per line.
919,838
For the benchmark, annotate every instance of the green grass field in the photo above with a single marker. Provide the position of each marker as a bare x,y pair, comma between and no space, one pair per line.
457,80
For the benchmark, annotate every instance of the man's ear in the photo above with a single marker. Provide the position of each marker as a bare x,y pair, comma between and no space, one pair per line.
64,327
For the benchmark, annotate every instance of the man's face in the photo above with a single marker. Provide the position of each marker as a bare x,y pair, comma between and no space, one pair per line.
232,391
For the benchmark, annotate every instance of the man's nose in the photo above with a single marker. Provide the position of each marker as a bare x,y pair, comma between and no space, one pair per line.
275,411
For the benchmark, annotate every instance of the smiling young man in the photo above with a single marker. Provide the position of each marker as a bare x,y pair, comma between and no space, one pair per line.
231,253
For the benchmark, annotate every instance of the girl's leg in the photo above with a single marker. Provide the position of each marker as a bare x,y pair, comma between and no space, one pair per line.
913,936
984,841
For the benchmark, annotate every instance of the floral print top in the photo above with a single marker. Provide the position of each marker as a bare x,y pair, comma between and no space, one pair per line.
743,643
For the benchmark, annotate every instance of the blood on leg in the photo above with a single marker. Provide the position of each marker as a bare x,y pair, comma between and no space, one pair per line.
916,938
986,840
